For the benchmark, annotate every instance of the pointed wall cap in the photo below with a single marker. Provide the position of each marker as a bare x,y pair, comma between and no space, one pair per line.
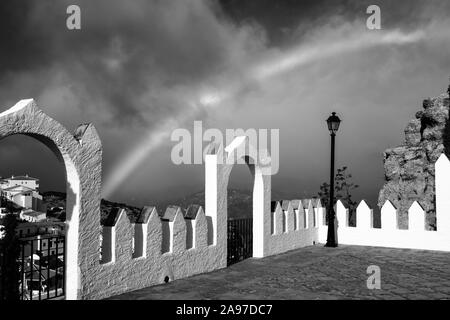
295,203
364,203
170,213
305,203
416,204
388,204
442,158
145,214
274,205
285,204
192,211
111,219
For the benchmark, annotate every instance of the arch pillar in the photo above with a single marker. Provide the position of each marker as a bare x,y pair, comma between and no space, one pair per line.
81,154
219,163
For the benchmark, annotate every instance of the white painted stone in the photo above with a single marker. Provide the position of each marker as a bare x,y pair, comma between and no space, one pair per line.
321,213
388,216
311,217
341,215
416,217
219,162
201,230
179,233
279,221
442,185
291,219
124,238
285,241
296,206
154,236
364,216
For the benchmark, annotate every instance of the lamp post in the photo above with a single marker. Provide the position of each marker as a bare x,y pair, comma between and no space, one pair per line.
333,125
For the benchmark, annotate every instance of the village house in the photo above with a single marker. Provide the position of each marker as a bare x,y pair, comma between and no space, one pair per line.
23,191
30,229
32,216
3,212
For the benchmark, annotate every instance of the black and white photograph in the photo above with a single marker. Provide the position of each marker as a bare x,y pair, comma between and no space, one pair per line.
224,154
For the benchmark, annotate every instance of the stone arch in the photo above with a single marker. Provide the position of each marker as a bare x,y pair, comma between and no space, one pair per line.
219,163
81,154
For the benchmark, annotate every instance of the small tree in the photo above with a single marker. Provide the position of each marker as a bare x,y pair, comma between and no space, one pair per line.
343,188
9,252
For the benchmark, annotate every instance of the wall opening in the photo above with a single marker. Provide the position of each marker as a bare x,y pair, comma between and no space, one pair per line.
166,245
296,220
240,214
108,244
140,240
40,188
305,218
190,232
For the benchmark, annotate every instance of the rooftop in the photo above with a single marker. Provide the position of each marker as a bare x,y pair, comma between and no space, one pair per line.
25,177
19,188
32,213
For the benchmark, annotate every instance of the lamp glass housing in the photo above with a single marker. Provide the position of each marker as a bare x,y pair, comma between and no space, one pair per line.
333,123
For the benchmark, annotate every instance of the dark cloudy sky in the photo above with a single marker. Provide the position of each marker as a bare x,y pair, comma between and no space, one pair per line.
135,65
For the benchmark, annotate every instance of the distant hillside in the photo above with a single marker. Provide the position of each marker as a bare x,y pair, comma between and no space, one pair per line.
239,203
58,199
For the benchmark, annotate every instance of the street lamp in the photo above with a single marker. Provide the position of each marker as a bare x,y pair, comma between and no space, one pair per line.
333,125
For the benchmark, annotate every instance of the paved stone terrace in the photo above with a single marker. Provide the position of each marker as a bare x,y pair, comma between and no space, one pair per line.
317,272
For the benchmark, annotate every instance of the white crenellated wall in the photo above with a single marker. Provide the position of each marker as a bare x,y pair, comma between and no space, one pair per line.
415,237
295,224
164,251
125,271
389,235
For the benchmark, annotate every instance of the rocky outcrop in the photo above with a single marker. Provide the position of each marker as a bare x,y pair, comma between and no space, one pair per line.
409,168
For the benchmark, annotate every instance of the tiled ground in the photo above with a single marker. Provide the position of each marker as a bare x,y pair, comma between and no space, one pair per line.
317,273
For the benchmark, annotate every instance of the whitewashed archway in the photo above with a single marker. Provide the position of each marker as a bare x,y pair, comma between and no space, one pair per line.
81,154
219,163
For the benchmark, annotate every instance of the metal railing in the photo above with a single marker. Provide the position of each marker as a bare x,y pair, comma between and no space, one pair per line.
2,274
239,240
42,268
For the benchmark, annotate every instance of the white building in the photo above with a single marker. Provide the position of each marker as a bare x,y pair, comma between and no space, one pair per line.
25,181
32,216
3,212
29,229
3,183
23,191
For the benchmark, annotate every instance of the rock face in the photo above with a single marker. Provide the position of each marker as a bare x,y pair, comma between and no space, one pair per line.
409,168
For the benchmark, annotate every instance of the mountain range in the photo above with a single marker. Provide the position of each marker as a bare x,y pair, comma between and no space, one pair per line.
239,203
